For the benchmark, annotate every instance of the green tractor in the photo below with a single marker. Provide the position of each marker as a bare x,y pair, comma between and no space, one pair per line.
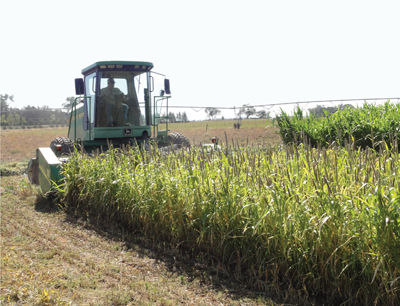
120,104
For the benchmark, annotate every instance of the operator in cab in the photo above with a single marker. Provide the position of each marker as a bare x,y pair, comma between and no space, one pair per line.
116,111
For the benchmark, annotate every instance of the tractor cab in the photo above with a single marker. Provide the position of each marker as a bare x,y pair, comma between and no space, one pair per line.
117,103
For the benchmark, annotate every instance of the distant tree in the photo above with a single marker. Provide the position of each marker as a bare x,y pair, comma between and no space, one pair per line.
185,117
53,119
344,106
248,110
17,119
212,112
5,102
317,111
68,103
162,119
263,114
42,115
10,119
172,118
322,111
3,120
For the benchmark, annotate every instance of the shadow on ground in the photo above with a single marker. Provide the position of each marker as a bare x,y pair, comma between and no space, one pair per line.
176,260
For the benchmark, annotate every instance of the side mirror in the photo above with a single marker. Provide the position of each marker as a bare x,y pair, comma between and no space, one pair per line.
166,87
79,87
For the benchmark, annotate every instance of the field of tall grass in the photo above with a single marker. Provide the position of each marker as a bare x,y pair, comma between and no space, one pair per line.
305,222
364,126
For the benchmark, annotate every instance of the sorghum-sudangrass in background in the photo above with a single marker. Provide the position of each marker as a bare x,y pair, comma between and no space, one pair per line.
307,222
367,125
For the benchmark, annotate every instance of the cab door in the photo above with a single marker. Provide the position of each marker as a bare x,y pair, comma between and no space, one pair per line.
89,102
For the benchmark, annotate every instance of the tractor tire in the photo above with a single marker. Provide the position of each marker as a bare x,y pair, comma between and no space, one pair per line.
66,143
178,139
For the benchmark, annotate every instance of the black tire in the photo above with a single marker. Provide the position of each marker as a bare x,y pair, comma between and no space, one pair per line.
178,139
145,137
67,146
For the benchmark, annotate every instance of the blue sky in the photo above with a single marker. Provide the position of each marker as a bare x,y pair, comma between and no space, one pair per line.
216,53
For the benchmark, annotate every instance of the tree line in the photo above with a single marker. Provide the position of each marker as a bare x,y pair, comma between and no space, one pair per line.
29,115
39,116
324,111
246,110
175,118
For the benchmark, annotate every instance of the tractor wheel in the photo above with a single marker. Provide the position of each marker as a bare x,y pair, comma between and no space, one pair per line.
67,146
179,139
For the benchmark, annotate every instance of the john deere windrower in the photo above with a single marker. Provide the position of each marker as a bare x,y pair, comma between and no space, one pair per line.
118,103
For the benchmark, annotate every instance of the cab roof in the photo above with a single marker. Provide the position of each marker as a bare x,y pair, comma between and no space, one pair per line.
144,66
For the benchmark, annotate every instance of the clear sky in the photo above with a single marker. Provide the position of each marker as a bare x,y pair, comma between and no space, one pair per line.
216,53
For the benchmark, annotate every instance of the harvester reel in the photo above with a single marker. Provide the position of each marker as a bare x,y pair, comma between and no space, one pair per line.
67,146
178,139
